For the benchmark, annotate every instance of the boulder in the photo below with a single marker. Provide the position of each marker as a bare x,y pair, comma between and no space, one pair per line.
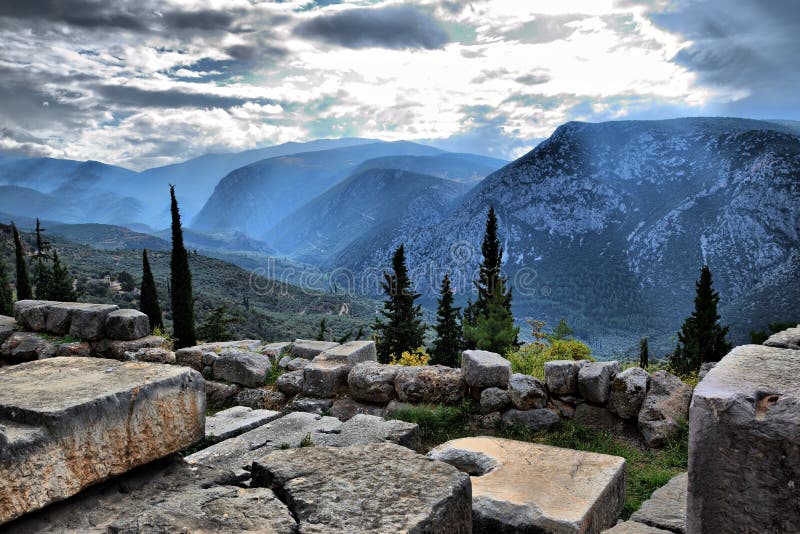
332,495
7,326
26,346
628,390
264,398
527,487
77,421
483,369
526,392
744,444
372,382
666,508
248,369
276,350
788,339
665,408
306,404
308,349
324,378
209,358
88,321
155,355
164,497
594,380
117,349
494,400
352,352
234,421
190,357
430,383
199,356
220,395
632,527
284,362
127,325
296,364
291,383
565,409
561,376
346,409
32,314
536,420
704,369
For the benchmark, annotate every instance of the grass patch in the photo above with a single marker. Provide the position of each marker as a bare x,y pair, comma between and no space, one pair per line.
274,372
438,423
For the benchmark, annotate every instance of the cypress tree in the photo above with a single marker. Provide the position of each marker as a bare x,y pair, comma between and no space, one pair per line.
494,330
24,291
42,275
181,282
61,285
562,330
402,330
644,353
702,338
6,298
148,300
449,336
323,330
215,326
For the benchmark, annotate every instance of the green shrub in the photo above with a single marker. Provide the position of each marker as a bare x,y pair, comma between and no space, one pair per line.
530,359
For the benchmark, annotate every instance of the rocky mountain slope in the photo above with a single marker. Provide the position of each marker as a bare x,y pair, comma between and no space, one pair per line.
608,224
465,168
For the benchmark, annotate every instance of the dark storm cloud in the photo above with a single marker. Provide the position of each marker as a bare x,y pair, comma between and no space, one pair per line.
389,27
205,19
124,95
27,105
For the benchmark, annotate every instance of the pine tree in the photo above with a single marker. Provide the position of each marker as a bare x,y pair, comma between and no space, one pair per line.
449,336
42,275
24,291
61,284
562,330
701,339
489,284
216,325
323,330
6,297
148,300
494,330
181,283
402,330
644,353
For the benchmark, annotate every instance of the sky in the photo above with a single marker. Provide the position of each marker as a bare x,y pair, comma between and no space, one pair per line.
145,83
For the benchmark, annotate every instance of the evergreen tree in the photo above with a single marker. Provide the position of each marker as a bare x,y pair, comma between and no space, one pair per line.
61,284
449,336
6,297
148,300
216,325
24,291
494,330
401,328
701,339
644,353
489,283
323,330
42,275
561,331
181,283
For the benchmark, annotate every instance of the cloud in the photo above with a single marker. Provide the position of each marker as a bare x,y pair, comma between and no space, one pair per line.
386,27
204,19
83,13
126,95
534,78
545,28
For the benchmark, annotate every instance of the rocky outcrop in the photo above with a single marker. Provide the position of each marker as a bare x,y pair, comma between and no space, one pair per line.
527,487
77,421
666,508
434,384
356,489
483,369
665,408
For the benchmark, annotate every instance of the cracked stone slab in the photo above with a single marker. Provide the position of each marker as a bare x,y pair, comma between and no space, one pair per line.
377,487
74,422
165,497
527,487
666,508
237,420
308,348
632,527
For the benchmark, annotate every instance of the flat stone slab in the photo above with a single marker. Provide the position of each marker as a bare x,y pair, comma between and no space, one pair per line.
308,348
787,339
165,497
666,508
527,487
237,420
67,423
632,527
352,352
378,487
78,319
484,369
744,444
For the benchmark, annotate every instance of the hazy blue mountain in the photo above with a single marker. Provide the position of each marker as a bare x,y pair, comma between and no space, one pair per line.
254,198
108,237
371,202
466,168
608,224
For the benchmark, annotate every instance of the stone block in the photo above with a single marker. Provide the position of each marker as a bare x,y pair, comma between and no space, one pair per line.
561,376
236,420
666,508
308,348
26,346
483,369
628,390
594,380
309,405
127,325
346,409
494,400
248,369
537,420
430,383
352,352
665,408
372,382
787,339
296,364
291,383
7,326
324,378
220,395
190,357
526,392
88,321
117,349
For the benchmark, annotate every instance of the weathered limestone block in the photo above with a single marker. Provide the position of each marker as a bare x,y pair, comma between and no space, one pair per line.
430,383
248,369
275,350
78,319
154,355
220,394
665,408
352,352
190,357
628,390
744,444
291,383
632,527
237,420
77,421
536,420
74,348
310,405
308,348
297,364
32,314
127,325
324,378
164,497
561,376
705,368
526,392
7,326
527,487
788,339
283,363
372,382
366,428
494,400
265,398
327,489
197,356
483,369
346,409
666,508
117,349
26,346
594,380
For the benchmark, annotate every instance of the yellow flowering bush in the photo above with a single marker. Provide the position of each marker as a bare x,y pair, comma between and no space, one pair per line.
413,358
